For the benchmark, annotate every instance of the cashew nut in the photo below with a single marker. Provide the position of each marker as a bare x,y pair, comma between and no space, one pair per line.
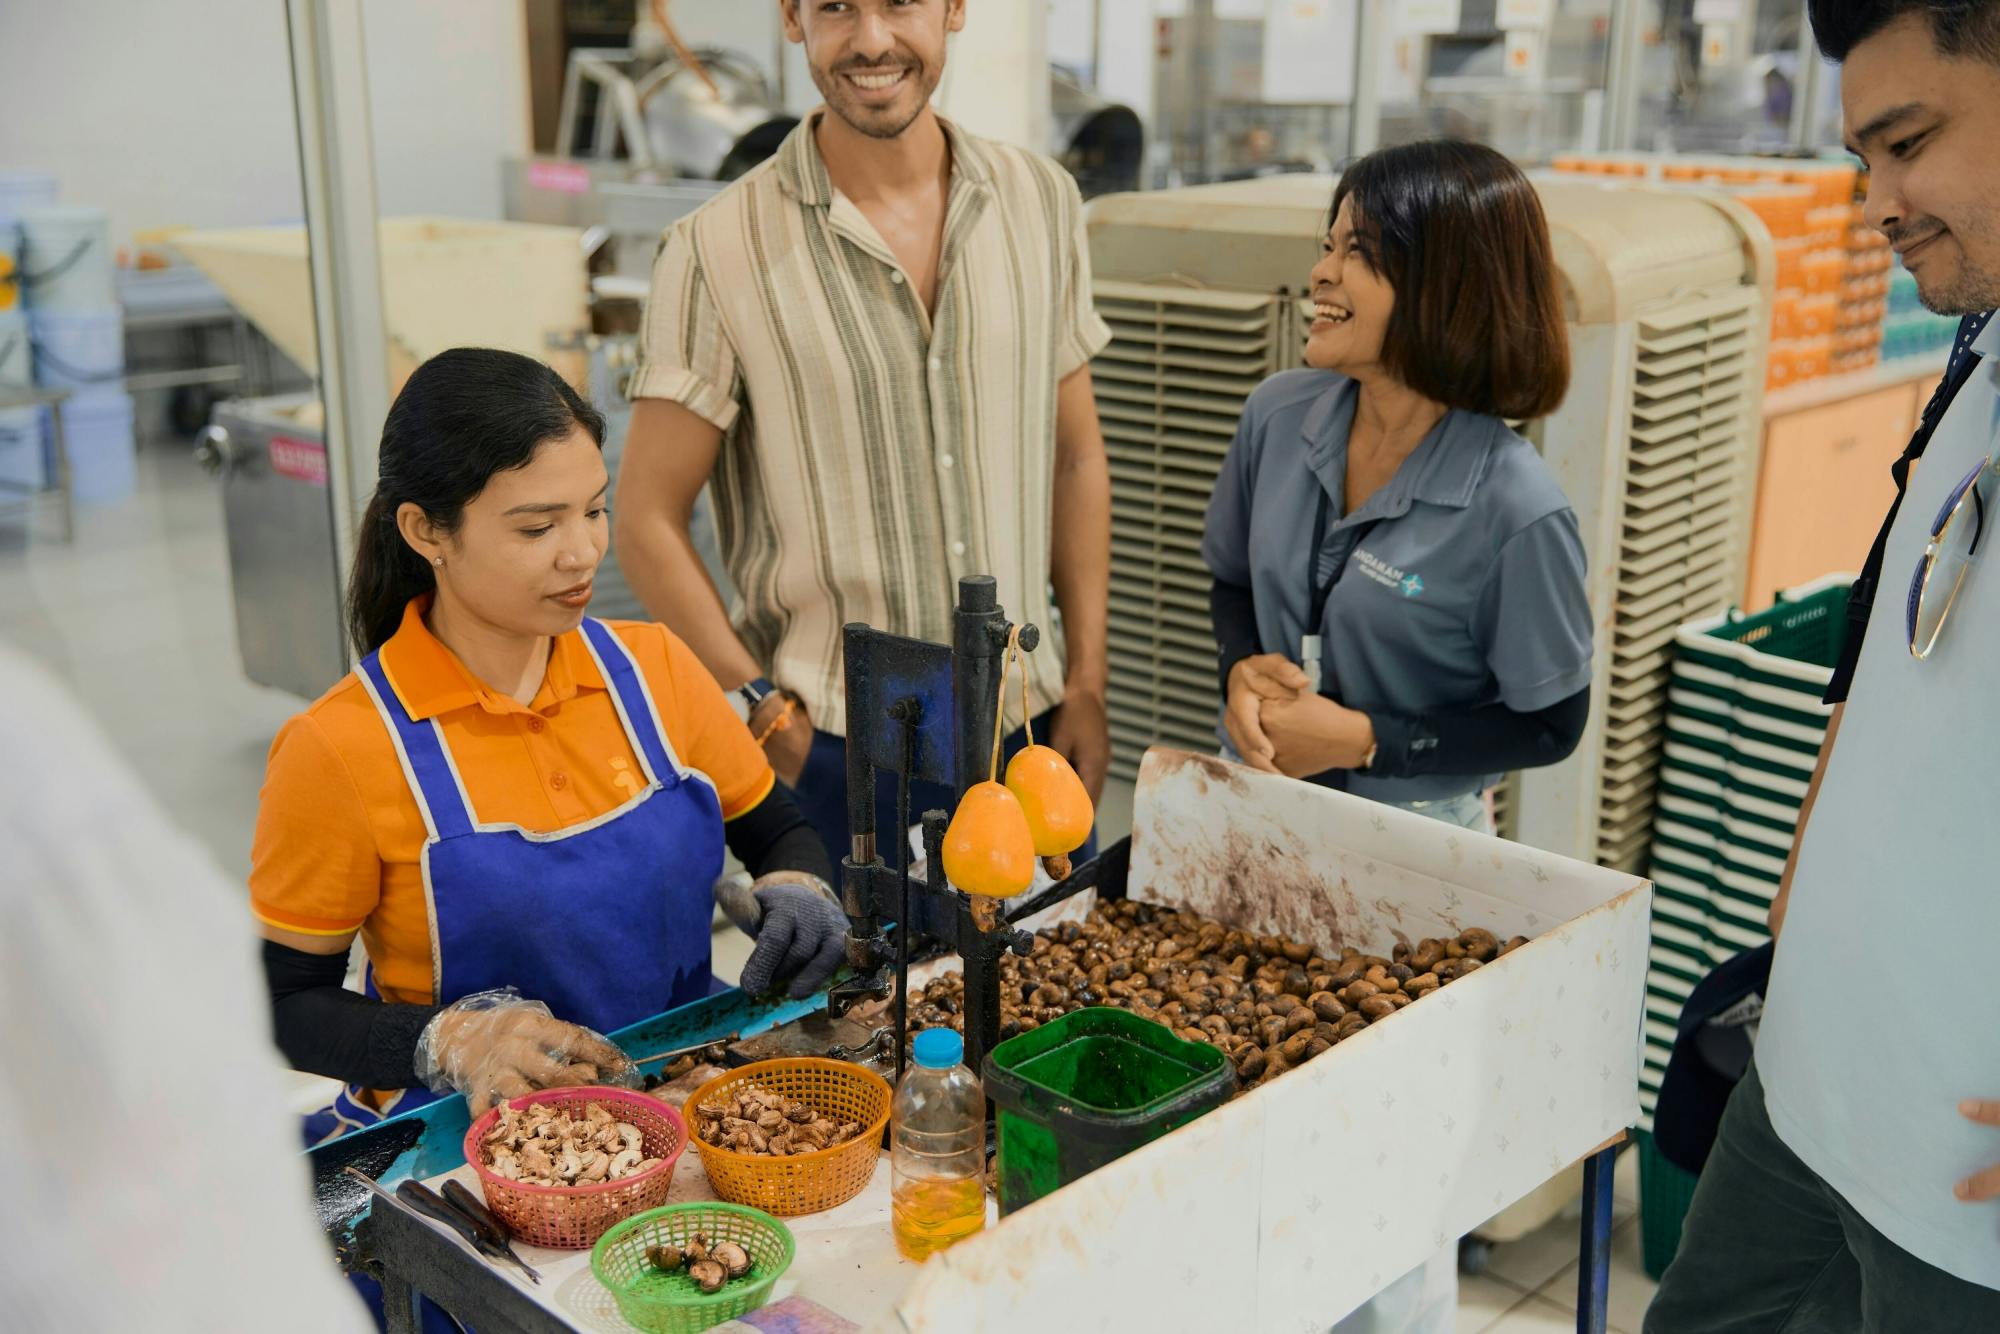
595,1167
624,1164
629,1136
570,1165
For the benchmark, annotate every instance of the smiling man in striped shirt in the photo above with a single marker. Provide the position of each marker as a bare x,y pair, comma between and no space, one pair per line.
878,345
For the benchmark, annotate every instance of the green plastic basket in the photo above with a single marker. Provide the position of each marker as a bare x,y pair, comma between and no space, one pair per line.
673,1303
1806,625
1665,1193
1088,1088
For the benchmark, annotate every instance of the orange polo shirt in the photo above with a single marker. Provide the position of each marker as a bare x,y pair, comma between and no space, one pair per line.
339,834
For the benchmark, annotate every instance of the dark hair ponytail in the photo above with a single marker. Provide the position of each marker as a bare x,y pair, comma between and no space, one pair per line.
465,415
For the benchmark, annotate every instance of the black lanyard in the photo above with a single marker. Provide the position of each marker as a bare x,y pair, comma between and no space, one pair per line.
1861,597
1321,589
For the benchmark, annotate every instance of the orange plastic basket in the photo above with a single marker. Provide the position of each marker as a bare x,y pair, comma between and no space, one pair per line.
803,1183
574,1217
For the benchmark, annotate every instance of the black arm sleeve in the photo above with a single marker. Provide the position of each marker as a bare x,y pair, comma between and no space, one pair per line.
774,836
325,1029
1234,614
1488,740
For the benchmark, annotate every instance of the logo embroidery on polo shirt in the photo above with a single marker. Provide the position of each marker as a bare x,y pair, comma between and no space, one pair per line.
1408,582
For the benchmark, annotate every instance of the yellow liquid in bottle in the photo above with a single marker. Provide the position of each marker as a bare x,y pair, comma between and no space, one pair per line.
930,1215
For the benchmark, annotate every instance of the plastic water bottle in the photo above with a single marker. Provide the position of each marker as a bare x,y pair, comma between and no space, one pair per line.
938,1148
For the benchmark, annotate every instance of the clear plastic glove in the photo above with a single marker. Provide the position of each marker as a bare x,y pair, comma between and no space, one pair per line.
801,932
497,1045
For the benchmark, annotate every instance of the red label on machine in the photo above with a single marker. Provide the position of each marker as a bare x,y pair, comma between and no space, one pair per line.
568,178
300,460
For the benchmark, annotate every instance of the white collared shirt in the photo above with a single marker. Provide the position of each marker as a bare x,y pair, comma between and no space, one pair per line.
1884,1006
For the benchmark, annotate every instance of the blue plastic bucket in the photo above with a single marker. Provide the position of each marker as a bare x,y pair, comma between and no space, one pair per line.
79,349
21,463
21,191
17,362
10,266
66,254
97,426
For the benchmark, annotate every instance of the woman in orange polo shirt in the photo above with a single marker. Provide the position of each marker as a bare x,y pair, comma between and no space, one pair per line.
520,810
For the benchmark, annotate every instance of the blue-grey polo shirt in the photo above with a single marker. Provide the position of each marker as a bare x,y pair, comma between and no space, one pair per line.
1467,591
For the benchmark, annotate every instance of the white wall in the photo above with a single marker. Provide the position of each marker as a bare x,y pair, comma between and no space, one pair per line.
180,111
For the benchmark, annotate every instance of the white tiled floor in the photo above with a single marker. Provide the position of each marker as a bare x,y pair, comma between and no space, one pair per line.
1531,1283
136,616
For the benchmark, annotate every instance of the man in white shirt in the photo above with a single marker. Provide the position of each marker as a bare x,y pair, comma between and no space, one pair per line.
154,1179
1853,1185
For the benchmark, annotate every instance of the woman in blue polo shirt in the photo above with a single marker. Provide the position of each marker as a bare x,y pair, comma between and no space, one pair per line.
1399,581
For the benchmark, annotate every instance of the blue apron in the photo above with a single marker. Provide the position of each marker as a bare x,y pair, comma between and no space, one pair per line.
607,922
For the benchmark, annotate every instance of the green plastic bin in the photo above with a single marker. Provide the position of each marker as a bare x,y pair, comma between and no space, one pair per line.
1089,1087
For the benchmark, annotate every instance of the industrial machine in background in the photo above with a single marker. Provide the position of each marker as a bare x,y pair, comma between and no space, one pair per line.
1101,143
445,283
1656,447
705,115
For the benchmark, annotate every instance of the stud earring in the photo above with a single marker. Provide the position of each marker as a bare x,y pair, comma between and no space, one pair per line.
437,561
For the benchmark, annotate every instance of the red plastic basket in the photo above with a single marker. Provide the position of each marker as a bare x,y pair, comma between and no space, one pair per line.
574,1217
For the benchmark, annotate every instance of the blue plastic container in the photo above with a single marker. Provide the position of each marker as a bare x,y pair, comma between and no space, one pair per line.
21,462
17,362
21,191
66,253
79,349
12,297
103,460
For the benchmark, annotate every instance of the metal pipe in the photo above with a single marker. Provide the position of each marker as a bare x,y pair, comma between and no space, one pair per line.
976,624
1621,79
1201,75
336,157
1364,121
906,713
1809,87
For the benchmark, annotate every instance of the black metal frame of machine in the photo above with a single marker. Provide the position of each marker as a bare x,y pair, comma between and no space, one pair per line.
924,712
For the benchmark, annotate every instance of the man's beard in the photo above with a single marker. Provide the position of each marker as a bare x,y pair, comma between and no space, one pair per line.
840,95
1968,291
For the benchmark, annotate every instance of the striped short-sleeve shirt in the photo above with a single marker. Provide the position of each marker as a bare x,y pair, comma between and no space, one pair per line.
873,451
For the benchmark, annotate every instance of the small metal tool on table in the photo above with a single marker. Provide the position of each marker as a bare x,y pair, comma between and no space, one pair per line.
458,1209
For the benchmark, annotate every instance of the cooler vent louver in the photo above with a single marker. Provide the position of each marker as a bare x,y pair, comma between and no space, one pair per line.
1170,387
1680,543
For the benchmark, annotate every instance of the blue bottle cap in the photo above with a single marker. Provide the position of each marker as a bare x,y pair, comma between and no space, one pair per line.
938,1049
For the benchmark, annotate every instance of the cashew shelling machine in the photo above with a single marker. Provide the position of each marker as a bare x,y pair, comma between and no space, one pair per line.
1318,1188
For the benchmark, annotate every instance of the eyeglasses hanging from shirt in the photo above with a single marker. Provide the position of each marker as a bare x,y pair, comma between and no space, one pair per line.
1861,597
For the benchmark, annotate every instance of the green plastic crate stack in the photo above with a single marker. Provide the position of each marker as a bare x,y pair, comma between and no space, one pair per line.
1743,732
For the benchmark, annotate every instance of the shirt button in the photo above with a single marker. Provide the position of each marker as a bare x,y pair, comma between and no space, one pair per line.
896,278
958,548
945,462
937,363
536,724
558,780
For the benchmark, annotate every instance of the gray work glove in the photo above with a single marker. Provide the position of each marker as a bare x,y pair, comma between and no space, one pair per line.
801,932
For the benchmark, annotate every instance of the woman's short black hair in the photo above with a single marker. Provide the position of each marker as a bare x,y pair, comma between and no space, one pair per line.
1459,233
1958,27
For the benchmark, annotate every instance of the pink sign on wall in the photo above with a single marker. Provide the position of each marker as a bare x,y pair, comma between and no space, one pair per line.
300,460
570,178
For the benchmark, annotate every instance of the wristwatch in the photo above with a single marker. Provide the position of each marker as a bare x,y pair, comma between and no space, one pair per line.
748,697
